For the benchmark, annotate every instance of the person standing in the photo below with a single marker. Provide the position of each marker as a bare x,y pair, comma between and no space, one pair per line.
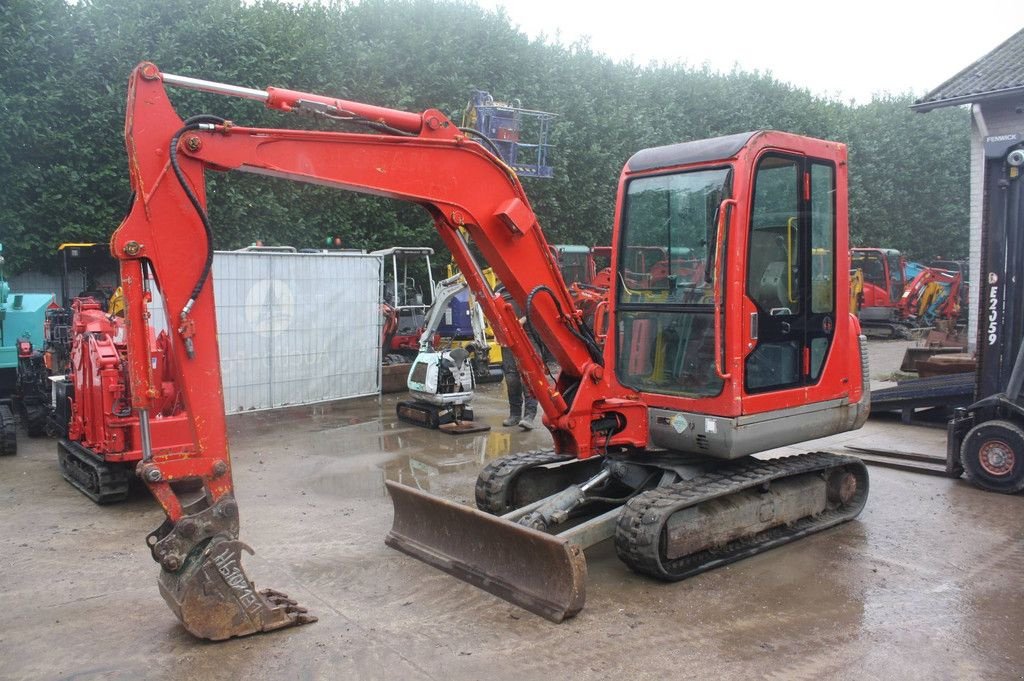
522,405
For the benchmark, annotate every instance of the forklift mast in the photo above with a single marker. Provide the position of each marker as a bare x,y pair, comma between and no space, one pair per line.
1001,305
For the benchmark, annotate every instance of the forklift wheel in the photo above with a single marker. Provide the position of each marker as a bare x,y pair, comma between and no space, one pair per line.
993,456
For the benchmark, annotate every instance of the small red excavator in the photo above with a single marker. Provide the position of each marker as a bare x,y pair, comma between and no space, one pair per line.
891,300
933,294
100,435
882,270
744,343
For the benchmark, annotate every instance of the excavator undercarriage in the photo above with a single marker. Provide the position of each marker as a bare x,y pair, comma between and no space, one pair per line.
8,431
102,481
671,516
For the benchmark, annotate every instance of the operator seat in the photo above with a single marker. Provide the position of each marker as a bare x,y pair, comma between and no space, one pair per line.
456,358
767,270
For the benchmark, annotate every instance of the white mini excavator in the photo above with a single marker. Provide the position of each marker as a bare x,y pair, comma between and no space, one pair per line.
441,380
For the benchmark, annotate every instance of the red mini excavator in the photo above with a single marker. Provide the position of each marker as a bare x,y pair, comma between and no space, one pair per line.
743,343
100,435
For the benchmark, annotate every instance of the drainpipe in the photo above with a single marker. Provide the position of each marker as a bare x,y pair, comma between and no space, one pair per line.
978,119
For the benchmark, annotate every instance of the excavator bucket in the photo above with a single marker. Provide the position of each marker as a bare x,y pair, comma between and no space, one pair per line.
214,599
542,573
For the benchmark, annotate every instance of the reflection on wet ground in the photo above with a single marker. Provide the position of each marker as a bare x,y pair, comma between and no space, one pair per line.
358,444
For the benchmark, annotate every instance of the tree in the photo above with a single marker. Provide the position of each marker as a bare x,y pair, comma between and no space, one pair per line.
63,67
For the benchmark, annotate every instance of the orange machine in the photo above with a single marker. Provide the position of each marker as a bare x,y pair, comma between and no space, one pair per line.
737,347
100,435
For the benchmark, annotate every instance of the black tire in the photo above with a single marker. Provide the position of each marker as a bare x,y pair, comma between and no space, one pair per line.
992,455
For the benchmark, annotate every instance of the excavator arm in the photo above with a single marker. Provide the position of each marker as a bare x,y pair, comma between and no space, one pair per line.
475,200
444,292
472,196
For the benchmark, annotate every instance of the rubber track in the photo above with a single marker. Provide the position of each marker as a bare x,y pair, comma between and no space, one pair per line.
493,483
84,470
639,529
8,432
35,419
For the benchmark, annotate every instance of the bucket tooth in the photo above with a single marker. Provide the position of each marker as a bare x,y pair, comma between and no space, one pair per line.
539,572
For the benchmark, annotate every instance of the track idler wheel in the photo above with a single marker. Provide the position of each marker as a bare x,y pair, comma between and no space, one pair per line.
214,598
204,583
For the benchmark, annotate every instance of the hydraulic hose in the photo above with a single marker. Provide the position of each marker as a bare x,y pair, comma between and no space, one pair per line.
483,139
585,334
194,123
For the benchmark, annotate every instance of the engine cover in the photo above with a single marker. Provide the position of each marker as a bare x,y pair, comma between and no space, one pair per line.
442,377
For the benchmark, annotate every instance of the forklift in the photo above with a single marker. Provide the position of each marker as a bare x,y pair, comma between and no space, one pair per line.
986,439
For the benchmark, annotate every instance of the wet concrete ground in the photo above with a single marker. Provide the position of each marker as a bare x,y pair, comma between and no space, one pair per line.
927,583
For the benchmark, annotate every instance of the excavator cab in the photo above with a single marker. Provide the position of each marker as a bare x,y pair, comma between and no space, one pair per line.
88,271
745,335
575,262
884,281
408,287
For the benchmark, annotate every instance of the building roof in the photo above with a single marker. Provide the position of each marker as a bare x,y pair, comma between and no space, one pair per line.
998,74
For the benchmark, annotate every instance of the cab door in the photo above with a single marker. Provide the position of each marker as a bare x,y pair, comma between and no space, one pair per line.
790,278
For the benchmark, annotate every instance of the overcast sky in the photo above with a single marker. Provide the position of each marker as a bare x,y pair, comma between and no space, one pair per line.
846,49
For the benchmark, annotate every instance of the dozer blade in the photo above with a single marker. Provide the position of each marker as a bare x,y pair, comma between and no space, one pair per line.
214,599
542,573
463,428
